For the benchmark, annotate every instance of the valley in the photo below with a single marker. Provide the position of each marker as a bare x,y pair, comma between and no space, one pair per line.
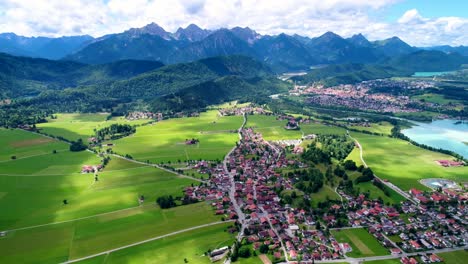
223,144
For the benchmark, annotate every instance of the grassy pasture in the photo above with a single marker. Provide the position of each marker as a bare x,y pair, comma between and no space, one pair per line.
174,249
32,200
23,144
454,257
58,243
75,126
363,243
404,164
381,128
273,129
165,141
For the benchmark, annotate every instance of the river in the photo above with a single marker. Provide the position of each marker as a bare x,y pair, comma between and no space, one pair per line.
446,134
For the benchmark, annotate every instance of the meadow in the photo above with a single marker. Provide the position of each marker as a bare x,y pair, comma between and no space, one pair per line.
84,237
363,243
73,126
24,144
191,245
454,257
273,129
404,164
382,127
165,141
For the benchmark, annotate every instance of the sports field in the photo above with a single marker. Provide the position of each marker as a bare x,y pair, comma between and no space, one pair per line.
404,164
78,125
190,245
165,141
363,243
273,129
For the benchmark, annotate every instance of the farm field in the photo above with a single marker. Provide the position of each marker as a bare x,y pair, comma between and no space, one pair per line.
33,188
381,128
190,245
363,243
116,189
454,257
404,164
23,144
92,235
165,141
385,261
273,129
75,126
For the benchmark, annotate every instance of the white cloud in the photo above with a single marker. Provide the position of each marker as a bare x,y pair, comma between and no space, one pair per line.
305,17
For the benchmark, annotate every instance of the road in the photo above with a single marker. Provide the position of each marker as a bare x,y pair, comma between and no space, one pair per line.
388,184
145,241
232,190
159,167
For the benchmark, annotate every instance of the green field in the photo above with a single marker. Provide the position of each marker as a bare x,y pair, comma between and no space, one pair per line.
165,141
24,144
273,129
404,164
381,128
75,126
454,257
363,243
190,245
385,261
80,238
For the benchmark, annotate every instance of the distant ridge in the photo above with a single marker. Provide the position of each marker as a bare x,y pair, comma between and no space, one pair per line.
152,42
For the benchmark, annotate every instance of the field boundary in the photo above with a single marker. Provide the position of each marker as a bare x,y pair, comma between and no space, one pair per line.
146,241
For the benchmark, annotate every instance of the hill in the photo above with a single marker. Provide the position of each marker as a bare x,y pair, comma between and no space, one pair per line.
348,74
24,76
42,47
429,60
228,78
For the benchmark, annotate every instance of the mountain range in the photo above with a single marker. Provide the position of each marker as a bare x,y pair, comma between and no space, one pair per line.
280,52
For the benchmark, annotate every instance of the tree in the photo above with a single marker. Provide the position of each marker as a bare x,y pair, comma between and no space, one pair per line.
263,249
54,151
77,145
65,201
13,157
166,201
350,165
244,252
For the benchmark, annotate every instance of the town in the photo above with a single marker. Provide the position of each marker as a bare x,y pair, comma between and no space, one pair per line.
246,187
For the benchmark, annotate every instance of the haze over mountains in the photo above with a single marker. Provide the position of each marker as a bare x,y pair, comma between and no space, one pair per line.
281,52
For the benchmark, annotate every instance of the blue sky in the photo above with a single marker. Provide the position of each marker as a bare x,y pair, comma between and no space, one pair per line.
429,8
418,22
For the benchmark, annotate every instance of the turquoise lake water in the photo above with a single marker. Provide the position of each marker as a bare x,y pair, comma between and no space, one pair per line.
429,74
445,134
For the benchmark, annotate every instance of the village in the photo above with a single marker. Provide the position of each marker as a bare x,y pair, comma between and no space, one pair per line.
374,95
246,188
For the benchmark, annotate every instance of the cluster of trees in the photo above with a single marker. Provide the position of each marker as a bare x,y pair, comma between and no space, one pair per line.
316,154
308,181
114,131
337,146
78,145
166,201
367,175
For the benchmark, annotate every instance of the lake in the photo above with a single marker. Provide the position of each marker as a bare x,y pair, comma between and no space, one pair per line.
446,134
430,74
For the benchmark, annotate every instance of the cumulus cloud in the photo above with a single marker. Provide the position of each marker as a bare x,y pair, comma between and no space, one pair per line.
304,17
